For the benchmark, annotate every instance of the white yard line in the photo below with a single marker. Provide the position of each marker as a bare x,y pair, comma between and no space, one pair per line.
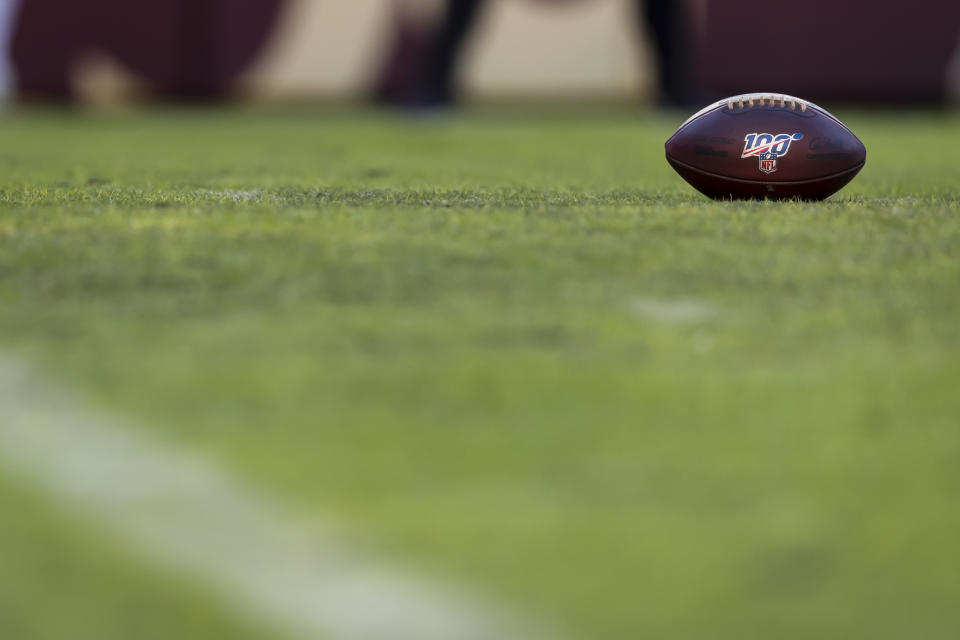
678,311
187,514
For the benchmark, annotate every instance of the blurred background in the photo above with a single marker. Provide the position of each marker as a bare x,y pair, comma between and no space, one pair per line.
509,349
429,52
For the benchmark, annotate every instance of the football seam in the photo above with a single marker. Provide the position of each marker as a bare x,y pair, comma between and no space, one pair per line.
816,109
719,108
777,182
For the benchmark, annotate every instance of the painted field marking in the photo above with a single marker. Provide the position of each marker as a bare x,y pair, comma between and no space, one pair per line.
679,311
184,513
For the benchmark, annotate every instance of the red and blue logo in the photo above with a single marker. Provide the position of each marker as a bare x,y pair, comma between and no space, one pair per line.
768,147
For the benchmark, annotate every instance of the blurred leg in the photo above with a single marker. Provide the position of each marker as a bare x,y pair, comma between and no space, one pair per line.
667,23
400,73
438,86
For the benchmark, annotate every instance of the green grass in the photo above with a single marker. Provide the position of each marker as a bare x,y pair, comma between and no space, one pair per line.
61,579
518,351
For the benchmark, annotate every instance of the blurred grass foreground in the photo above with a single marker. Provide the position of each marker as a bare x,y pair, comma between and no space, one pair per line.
511,350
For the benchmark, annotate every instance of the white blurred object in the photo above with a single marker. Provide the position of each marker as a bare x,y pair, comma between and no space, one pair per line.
583,48
328,47
321,48
8,11
186,513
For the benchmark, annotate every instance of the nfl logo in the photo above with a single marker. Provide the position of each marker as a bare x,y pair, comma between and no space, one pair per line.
768,162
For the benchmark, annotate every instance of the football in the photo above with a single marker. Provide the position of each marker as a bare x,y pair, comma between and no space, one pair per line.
763,145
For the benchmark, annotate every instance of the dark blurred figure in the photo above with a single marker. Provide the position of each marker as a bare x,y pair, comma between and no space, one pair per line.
423,72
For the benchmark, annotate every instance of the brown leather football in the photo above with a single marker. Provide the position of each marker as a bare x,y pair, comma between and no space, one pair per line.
763,145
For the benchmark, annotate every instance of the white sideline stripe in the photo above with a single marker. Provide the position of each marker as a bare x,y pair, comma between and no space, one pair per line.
681,311
185,513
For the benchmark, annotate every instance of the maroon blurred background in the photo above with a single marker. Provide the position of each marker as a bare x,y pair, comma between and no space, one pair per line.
183,48
847,50
852,50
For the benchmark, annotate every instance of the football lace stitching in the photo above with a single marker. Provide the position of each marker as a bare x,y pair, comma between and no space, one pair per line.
774,99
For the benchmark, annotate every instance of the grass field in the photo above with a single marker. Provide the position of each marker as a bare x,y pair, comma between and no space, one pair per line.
512,349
